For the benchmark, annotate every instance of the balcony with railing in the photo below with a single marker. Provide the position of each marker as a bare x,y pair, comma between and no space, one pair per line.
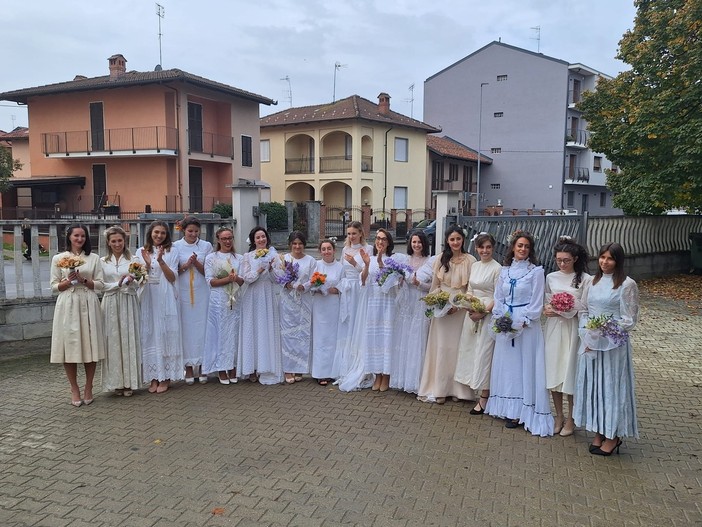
335,164
366,163
578,138
139,141
299,165
576,174
210,144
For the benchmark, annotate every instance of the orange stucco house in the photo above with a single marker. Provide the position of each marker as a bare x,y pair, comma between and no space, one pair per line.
131,141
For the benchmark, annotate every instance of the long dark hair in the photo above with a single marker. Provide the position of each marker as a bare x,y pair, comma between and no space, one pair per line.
87,246
389,248
252,235
566,244
447,252
218,245
513,241
617,253
149,243
422,238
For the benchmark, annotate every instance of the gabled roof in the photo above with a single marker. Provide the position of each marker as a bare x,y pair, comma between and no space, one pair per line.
21,132
350,108
447,147
129,79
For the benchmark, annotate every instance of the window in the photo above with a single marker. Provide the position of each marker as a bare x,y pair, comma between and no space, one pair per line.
499,114
467,183
603,199
437,175
501,78
348,147
265,150
615,168
597,164
494,186
401,149
453,172
570,198
195,127
400,197
246,151
496,150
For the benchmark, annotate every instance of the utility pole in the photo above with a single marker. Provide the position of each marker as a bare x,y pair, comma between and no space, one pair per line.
160,12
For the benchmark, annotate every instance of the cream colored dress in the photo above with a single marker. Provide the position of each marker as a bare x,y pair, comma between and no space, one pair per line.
444,333
476,345
77,335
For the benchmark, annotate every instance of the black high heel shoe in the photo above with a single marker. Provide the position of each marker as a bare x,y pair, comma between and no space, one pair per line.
597,451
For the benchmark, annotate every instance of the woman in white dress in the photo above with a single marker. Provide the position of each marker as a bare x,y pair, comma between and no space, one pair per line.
77,335
259,332
380,319
325,314
451,274
605,402
161,342
352,259
518,377
224,312
561,339
476,346
412,325
121,369
296,309
194,295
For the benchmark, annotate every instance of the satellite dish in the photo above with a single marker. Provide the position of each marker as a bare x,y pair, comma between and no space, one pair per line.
158,68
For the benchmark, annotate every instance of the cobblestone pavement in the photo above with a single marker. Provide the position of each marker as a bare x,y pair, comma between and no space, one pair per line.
307,455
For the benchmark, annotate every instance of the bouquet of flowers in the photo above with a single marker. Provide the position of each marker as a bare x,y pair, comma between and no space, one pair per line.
70,263
261,253
232,288
318,279
503,324
562,302
437,304
602,333
469,302
290,274
139,272
391,274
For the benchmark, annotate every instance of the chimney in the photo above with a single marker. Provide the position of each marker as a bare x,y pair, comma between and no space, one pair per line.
383,104
118,66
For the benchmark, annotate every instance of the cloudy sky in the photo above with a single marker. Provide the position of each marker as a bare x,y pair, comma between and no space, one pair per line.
382,45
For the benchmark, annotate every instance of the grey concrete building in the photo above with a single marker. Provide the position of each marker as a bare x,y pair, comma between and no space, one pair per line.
520,108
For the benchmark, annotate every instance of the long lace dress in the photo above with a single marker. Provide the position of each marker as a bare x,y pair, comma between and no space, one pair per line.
518,376
561,339
604,396
444,333
259,333
120,307
223,314
412,326
476,346
161,340
325,320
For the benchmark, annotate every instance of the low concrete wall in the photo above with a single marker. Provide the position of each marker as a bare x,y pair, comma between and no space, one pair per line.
25,319
642,266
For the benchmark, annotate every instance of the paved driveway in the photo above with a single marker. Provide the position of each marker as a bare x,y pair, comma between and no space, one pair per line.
306,455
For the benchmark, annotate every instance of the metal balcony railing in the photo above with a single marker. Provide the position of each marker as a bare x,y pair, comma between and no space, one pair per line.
366,163
335,164
211,144
577,174
299,165
578,138
111,140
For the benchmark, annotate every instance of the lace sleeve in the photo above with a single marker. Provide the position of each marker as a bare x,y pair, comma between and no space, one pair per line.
629,304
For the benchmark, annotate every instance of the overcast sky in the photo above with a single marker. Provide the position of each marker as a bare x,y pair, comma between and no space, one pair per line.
381,45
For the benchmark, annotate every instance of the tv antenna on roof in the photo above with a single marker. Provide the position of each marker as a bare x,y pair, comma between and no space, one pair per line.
161,13
537,38
337,67
411,99
287,78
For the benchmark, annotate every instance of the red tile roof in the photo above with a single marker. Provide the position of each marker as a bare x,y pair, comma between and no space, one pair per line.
350,108
128,79
447,147
21,132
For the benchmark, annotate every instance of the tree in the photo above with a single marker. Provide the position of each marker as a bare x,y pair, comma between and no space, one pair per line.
276,215
7,167
647,120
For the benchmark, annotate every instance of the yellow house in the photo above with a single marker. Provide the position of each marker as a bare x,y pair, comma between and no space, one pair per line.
348,153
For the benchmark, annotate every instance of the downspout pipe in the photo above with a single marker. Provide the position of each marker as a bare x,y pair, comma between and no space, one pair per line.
385,176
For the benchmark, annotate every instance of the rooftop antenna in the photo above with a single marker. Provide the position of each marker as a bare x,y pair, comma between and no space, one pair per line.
160,12
537,38
411,99
337,66
13,117
287,78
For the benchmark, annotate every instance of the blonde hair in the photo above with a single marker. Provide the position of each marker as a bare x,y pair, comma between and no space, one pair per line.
359,227
111,231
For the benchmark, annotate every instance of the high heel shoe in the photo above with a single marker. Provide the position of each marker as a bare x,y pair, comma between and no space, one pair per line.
558,424
597,451
77,404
